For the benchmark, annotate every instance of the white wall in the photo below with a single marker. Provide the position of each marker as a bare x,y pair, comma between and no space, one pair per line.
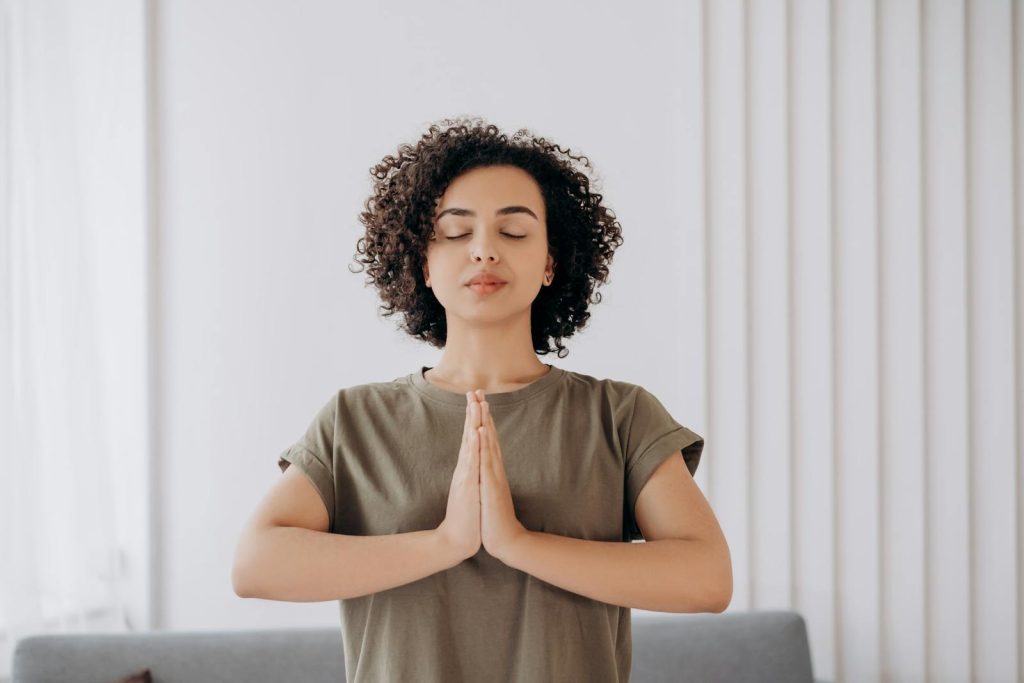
268,119
821,275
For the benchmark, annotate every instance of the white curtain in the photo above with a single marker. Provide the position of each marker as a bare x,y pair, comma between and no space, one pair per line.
60,561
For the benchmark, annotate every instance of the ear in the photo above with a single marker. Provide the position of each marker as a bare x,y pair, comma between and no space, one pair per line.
426,274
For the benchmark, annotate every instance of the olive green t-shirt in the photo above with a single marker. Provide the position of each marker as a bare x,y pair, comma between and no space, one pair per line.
577,450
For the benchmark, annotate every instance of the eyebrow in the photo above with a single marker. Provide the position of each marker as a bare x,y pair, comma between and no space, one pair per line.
500,212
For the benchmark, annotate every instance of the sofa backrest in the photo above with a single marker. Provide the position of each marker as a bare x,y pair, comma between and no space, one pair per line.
735,647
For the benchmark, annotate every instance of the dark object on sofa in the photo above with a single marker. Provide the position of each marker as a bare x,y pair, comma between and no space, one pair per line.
144,676
734,647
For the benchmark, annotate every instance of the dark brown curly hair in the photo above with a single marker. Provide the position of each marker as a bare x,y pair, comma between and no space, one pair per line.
399,221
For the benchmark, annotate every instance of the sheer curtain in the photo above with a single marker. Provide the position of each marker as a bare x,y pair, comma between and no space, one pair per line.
62,212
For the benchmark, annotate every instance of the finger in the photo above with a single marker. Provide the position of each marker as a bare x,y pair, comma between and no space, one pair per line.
475,409
492,462
481,459
485,448
488,422
489,417
474,453
481,427
469,431
467,427
492,432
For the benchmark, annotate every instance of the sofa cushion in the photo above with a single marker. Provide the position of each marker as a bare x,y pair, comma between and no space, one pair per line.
732,646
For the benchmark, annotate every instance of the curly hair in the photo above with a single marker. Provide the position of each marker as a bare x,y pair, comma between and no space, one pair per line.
398,216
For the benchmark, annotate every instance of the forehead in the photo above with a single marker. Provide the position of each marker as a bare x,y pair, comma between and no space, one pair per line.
484,190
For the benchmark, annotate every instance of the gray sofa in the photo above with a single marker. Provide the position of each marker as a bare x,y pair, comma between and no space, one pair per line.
734,647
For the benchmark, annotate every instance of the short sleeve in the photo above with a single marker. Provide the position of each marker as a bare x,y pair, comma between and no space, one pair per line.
652,436
313,453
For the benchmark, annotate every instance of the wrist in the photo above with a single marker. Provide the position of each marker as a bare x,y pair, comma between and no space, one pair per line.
447,548
512,549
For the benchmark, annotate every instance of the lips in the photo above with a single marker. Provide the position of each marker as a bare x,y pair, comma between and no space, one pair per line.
484,288
485,279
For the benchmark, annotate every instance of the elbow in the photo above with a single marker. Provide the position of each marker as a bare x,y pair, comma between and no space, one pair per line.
722,598
709,589
238,584
723,595
723,601
245,560
242,579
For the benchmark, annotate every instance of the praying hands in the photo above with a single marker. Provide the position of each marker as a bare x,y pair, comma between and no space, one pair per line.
480,509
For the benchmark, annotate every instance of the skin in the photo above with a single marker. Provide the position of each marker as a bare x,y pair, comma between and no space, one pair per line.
489,345
500,529
489,348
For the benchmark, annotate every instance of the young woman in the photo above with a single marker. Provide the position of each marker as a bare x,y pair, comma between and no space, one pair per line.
473,518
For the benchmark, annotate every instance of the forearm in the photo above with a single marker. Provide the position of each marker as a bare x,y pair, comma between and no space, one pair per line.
668,575
295,564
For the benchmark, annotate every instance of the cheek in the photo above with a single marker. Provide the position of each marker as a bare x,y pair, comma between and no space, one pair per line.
439,262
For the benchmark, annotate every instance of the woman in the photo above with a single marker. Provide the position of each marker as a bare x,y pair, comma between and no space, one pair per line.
477,511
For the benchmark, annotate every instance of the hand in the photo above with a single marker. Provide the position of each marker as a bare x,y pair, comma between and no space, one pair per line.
461,525
499,527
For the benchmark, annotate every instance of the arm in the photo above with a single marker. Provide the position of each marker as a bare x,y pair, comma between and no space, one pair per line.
302,565
683,566
668,575
286,551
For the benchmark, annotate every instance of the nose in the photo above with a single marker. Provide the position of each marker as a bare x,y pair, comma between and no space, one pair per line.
483,246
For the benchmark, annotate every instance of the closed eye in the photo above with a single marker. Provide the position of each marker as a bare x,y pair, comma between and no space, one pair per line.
515,237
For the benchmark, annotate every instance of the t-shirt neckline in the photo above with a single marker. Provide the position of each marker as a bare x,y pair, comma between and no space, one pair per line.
455,398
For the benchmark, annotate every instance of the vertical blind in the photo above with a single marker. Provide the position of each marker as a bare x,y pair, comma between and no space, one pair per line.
860,167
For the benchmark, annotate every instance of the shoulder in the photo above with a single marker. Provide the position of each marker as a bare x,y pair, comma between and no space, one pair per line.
613,391
367,395
343,409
